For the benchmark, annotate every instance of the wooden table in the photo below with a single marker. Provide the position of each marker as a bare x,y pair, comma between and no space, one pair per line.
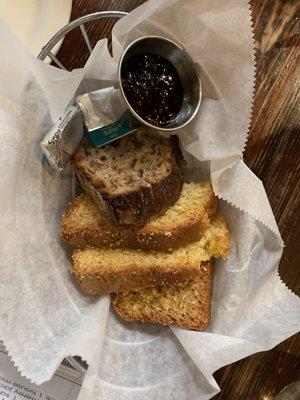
272,153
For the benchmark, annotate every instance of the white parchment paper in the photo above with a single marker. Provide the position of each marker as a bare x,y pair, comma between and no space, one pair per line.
43,316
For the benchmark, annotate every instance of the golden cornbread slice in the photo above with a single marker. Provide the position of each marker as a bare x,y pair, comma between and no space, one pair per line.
183,304
83,225
112,270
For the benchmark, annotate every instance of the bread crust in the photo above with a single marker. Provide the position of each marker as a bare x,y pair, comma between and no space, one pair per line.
96,282
136,206
157,241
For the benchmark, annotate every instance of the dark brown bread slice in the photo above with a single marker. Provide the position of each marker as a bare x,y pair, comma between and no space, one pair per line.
133,178
184,222
187,304
106,270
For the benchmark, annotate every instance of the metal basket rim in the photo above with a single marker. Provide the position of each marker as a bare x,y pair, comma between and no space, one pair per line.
79,22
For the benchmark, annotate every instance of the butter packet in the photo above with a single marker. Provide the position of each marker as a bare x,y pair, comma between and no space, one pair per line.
105,118
64,137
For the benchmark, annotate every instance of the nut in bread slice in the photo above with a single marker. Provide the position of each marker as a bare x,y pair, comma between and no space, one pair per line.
133,178
112,270
84,225
185,304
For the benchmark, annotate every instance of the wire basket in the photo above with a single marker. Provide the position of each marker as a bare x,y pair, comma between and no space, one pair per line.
47,50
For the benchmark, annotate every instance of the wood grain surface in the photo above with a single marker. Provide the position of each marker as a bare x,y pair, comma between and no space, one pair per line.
273,154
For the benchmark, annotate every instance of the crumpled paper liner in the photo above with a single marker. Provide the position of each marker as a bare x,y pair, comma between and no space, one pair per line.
43,317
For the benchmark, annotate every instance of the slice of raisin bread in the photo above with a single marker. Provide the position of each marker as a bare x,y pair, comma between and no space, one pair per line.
183,304
184,222
133,178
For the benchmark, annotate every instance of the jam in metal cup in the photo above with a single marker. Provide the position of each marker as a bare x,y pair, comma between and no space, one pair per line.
191,84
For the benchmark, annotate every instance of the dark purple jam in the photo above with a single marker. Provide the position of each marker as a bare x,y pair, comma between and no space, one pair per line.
152,87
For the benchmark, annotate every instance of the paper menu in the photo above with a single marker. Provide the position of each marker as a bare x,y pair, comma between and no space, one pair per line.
65,384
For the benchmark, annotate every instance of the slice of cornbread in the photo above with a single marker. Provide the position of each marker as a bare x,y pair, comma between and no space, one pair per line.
112,270
185,304
83,224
